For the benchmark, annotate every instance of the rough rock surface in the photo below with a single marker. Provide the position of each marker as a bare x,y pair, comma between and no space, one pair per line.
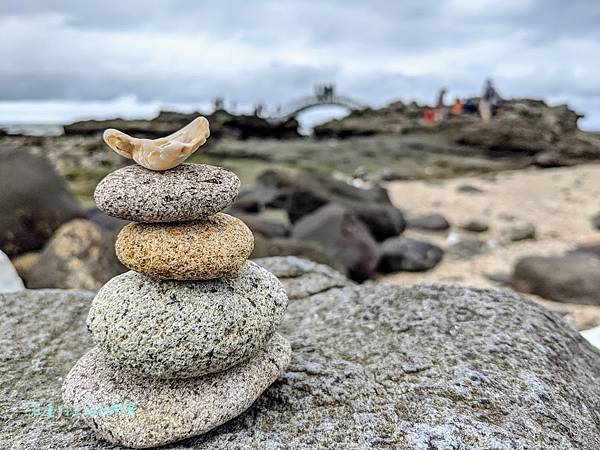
343,236
80,255
186,192
372,366
37,198
171,329
212,248
169,410
302,278
408,254
572,278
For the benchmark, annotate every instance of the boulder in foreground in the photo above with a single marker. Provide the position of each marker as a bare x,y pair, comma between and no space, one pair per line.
372,366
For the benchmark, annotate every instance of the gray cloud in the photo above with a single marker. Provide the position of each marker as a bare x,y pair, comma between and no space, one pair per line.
271,51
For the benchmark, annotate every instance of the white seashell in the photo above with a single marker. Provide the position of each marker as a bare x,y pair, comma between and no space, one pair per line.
162,153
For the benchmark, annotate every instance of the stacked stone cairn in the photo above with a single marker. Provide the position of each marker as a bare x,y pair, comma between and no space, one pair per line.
186,340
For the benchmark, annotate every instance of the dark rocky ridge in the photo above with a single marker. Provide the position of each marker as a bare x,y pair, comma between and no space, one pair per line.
548,135
222,124
372,366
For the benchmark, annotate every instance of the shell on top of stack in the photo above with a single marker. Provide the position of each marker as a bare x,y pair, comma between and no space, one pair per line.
189,334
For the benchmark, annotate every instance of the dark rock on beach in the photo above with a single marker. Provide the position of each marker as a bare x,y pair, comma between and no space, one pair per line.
34,201
372,366
596,221
306,192
406,254
428,222
343,236
571,278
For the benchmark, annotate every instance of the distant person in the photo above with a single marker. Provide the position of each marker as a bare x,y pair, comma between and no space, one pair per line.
440,98
440,106
471,106
428,116
457,108
219,103
489,100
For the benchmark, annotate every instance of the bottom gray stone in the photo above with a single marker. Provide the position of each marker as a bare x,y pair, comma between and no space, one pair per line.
125,409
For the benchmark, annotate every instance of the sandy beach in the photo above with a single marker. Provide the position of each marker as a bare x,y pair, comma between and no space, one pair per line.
558,202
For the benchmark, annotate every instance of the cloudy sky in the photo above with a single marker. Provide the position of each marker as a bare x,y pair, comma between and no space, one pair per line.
189,51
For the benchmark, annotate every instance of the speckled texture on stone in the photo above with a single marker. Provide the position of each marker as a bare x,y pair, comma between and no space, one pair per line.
302,277
186,192
372,367
202,250
180,329
167,411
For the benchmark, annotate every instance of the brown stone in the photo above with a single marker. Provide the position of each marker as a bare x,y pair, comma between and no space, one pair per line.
202,250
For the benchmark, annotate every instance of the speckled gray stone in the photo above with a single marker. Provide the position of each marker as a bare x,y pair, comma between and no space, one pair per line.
186,192
167,411
181,329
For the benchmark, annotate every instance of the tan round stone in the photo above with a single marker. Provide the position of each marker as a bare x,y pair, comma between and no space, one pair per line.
203,250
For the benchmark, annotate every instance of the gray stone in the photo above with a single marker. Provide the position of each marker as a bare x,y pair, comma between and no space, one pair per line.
464,247
181,329
520,232
343,236
301,277
571,278
468,189
475,226
80,255
410,255
306,192
186,192
372,366
596,221
154,412
34,201
428,222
